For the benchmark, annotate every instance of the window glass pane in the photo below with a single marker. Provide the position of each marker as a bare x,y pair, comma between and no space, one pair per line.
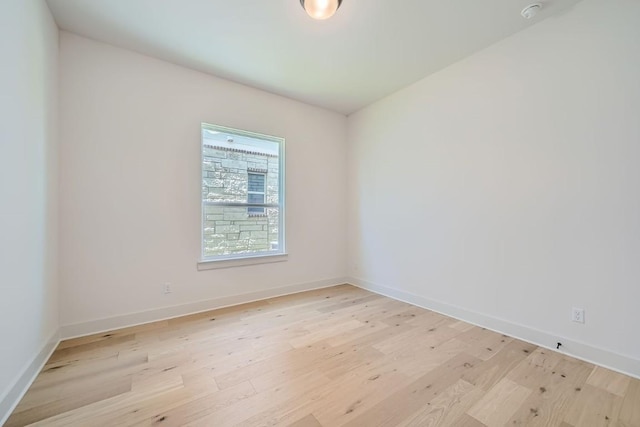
256,182
224,175
230,230
256,198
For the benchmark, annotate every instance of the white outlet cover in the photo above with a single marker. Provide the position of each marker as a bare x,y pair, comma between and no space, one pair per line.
577,315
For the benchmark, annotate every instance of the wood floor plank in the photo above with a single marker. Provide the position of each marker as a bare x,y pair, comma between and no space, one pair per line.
328,357
100,347
467,421
488,373
324,333
446,408
360,301
268,400
285,361
630,411
199,406
393,410
556,382
608,380
308,421
421,359
353,334
539,364
333,363
499,404
56,377
594,407
361,389
461,326
85,395
130,403
434,333
484,343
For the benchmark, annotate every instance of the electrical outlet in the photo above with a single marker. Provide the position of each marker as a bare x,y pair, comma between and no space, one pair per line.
577,315
167,288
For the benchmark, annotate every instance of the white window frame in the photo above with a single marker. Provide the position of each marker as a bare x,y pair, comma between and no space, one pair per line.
262,257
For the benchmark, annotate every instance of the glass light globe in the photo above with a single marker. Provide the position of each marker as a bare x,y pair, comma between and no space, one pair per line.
320,9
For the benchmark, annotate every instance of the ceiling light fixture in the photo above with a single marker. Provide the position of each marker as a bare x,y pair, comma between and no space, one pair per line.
320,9
531,10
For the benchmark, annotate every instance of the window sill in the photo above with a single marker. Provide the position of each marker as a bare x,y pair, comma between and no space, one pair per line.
240,262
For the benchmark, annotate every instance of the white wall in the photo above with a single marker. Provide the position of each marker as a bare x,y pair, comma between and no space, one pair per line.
507,186
28,187
130,183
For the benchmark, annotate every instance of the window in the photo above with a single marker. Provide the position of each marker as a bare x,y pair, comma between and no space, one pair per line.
242,194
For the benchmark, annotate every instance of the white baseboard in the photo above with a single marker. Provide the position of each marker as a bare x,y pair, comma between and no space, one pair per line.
617,362
14,394
133,319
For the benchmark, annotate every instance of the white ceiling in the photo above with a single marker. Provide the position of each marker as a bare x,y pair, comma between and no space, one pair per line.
369,49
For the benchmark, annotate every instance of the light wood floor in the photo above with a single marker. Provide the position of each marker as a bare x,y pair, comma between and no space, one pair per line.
332,357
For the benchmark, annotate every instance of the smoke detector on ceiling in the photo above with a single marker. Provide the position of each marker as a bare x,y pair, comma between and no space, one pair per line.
531,10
